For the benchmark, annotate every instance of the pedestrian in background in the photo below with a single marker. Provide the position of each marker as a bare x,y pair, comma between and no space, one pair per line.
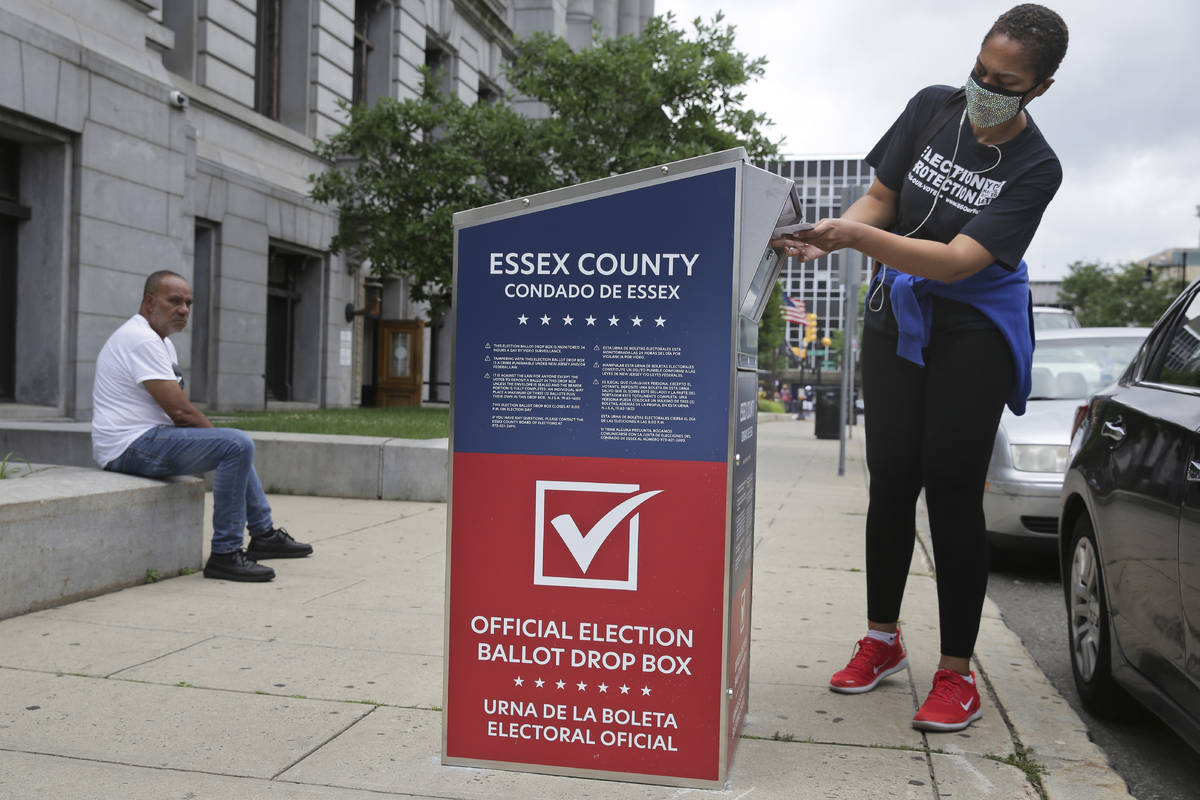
962,179
806,401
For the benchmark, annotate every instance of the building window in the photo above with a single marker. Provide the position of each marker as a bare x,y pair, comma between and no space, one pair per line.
364,48
180,17
488,94
266,67
440,63
281,66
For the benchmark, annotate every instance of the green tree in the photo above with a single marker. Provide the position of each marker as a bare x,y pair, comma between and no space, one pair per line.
1106,295
771,329
837,341
635,101
401,169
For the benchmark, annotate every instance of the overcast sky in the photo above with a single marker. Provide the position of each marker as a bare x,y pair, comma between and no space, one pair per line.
1123,114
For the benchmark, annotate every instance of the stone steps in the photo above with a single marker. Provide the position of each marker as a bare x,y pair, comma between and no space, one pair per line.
74,532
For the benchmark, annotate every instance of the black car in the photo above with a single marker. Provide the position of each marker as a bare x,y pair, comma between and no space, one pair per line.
1129,531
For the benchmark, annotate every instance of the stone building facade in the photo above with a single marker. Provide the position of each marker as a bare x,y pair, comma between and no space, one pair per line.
138,135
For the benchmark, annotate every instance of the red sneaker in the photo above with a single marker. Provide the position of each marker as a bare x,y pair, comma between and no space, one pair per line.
872,662
952,705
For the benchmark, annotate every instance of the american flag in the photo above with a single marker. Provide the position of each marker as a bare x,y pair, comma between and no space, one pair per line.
793,310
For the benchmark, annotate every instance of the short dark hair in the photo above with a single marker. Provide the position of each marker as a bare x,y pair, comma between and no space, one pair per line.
1040,31
155,278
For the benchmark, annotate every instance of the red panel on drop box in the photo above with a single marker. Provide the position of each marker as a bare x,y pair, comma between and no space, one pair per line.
586,611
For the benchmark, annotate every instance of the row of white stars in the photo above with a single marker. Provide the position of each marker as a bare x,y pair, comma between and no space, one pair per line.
581,686
659,322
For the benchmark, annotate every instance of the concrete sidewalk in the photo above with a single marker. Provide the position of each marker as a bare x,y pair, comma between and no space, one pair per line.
326,683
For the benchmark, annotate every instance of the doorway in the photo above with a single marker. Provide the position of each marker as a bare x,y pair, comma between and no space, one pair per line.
398,366
295,320
282,296
8,308
203,279
11,213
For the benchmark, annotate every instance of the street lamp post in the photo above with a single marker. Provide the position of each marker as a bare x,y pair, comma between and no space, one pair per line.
1148,276
1181,261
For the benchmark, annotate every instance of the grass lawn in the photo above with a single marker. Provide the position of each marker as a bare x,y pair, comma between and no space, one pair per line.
399,423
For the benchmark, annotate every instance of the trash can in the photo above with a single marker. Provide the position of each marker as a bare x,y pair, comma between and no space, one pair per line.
828,404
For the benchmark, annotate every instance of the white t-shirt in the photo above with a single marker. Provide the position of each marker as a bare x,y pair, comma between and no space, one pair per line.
122,409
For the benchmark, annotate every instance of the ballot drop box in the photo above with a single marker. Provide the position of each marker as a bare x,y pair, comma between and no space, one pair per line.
602,465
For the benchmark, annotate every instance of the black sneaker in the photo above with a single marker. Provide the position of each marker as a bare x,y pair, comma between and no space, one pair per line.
236,566
277,543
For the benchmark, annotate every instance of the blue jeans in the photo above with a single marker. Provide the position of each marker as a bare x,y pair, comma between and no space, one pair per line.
238,496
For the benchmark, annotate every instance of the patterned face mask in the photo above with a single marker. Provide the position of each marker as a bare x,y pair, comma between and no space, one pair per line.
988,106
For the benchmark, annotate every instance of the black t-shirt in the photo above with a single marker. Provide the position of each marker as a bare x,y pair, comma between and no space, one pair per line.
995,197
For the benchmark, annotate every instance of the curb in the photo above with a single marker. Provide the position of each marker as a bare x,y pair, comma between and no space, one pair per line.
1041,722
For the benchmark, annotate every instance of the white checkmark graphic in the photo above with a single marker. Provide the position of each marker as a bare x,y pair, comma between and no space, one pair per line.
584,547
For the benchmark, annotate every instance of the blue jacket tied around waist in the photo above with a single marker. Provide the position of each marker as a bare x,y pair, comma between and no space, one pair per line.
1001,295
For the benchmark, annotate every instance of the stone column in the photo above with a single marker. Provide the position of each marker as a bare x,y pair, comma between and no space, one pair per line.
580,16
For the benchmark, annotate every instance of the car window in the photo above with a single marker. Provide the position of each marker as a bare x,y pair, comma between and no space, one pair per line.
1050,321
1180,363
1074,369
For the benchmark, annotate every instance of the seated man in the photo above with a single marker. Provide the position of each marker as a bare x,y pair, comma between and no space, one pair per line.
143,424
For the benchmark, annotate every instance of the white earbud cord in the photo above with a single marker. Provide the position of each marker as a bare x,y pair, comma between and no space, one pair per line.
875,301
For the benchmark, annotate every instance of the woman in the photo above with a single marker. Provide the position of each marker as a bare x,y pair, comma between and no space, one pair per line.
962,179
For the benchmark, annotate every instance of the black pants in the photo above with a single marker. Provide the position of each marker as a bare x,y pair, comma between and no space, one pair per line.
932,427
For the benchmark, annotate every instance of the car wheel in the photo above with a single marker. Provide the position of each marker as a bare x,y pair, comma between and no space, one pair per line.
1089,638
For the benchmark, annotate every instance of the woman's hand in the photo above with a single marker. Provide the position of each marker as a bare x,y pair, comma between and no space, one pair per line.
824,237
790,247
833,234
961,258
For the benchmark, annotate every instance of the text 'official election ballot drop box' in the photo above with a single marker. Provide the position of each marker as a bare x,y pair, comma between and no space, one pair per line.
603,422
